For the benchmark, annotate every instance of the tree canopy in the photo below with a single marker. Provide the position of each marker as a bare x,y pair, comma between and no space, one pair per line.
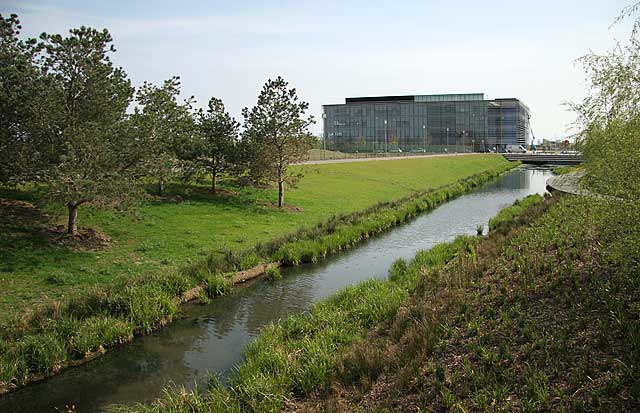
214,150
609,119
100,159
23,108
276,134
167,127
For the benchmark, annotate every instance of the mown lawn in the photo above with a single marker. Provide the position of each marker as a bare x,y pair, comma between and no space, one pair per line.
162,235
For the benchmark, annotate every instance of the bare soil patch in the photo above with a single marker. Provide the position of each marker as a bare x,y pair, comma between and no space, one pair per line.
87,239
21,218
172,199
17,213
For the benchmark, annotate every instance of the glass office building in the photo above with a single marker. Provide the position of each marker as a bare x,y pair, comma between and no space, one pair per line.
425,123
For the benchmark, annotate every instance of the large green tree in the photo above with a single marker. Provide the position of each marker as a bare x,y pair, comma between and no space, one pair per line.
276,135
167,126
26,143
215,146
100,156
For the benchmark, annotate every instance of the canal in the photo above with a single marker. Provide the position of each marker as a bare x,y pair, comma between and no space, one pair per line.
211,337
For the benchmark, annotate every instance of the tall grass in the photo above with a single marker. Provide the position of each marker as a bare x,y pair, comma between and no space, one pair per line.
297,356
540,315
507,215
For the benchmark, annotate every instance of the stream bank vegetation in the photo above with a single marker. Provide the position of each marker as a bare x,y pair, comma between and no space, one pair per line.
45,341
302,356
539,318
540,314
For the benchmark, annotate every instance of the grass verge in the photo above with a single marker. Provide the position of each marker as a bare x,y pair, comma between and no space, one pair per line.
506,217
563,170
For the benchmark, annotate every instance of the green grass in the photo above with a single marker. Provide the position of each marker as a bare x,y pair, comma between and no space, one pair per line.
162,236
97,317
295,357
541,315
562,170
298,357
506,215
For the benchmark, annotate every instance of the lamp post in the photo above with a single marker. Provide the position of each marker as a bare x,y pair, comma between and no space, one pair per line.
424,133
386,141
324,134
447,148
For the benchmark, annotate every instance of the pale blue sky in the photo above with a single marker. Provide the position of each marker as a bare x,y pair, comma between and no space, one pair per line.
330,50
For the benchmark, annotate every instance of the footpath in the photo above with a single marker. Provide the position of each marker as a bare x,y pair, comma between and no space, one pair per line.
568,183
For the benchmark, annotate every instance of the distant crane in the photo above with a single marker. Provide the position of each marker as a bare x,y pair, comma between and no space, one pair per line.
533,137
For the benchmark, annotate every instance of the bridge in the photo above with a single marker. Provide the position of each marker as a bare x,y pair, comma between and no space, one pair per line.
545,158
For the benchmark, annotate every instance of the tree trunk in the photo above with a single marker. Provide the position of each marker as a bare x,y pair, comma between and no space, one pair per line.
72,226
213,182
280,194
160,186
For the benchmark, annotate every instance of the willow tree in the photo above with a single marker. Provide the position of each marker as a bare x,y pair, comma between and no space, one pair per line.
100,157
609,119
276,135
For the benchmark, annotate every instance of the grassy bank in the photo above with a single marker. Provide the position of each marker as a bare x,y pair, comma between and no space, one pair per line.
507,216
298,357
53,337
165,235
542,317
563,170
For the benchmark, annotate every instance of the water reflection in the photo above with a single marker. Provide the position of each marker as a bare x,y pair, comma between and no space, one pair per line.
211,337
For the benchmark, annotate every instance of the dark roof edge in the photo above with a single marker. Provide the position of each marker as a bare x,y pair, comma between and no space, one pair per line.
405,98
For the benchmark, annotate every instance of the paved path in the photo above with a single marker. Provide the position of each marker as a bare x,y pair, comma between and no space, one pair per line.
568,183
385,158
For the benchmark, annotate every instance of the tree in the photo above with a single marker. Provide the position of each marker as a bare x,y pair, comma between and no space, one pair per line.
167,126
100,154
216,143
23,97
276,134
609,120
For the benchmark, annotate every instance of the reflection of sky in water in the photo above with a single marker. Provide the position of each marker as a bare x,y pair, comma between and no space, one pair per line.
212,337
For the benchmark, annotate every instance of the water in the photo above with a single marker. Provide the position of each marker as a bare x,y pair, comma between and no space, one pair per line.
211,337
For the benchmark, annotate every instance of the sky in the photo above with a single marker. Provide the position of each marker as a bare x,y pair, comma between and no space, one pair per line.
330,50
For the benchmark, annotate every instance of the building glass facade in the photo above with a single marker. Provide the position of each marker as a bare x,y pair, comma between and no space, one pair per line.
427,123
